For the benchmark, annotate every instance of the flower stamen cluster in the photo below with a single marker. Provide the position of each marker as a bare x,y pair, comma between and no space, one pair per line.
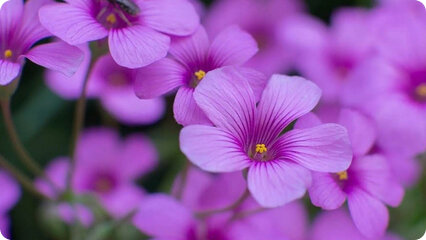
421,91
200,74
342,175
261,148
8,53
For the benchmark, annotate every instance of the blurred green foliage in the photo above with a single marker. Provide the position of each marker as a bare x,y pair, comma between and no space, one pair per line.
44,122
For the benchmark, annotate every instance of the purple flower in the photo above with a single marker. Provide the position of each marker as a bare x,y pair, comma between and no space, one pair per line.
165,218
329,55
107,168
193,57
10,195
391,88
337,225
19,30
113,85
136,38
262,19
248,135
78,212
367,184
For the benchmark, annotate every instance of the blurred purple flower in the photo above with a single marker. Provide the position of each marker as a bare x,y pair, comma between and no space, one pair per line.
391,88
337,225
206,192
10,194
20,29
262,19
249,135
193,57
113,85
78,212
329,55
134,40
107,168
367,184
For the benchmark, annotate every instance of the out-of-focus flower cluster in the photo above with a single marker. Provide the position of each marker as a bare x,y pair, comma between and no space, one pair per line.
349,127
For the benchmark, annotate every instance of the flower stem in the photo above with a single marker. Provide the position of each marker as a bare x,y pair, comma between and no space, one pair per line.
24,156
79,115
19,148
233,206
22,179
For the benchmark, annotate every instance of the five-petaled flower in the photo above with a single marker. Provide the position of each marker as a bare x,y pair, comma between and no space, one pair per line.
135,38
191,58
367,184
20,29
248,134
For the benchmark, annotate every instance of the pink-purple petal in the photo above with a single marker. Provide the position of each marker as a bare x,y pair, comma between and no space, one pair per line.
10,15
213,149
375,177
159,78
275,183
122,200
8,71
334,225
174,17
70,87
137,46
31,29
192,49
308,121
139,156
72,24
10,190
129,109
325,192
56,171
58,56
164,217
4,225
186,110
256,80
368,213
325,148
232,46
361,130
228,100
284,100
69,213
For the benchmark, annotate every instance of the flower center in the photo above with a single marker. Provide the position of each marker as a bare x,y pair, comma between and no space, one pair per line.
421,91
200,74
118,79
103,185
342,175
116,14
111,18
261,148
8,53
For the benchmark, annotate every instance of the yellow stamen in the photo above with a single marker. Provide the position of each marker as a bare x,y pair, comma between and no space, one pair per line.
261,148
421,90
111,18
8,53
200,74
343,175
